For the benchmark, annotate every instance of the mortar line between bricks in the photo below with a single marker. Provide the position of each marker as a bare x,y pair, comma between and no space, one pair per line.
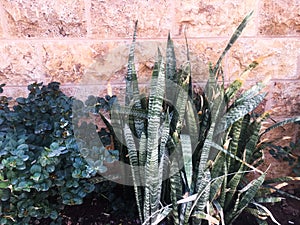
106,40
286,80
94,40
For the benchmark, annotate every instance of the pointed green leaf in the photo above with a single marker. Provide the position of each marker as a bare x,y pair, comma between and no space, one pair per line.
232,40
156,97
282,123
245,196
171,61
234,114
132,90
132,152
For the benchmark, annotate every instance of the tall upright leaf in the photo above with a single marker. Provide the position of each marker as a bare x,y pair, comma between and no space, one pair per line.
233,146
132,97
134,165
171,61
132,90
155,106
232,40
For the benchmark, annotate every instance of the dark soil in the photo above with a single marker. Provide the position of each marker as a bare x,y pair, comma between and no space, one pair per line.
286,212
99,209
110,204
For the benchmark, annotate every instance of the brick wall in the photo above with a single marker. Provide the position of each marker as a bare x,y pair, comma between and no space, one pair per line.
84,43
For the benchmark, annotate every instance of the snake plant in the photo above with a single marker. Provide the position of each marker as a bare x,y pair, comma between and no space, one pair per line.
189,152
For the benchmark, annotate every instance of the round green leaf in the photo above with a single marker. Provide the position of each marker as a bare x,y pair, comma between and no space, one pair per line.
22,147
35,169
50,168
36,176
4,184
5,194
76,173
53,215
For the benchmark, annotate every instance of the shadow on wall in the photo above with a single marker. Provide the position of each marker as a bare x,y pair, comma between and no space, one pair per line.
113,66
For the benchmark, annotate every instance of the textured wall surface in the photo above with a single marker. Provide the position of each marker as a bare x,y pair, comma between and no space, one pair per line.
84,43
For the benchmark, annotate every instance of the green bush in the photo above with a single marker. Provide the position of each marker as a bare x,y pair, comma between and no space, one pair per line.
41,166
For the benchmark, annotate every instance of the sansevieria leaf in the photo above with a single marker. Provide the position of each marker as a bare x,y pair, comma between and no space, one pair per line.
279,124
232,40
245,196
132,90
239,111
153,185
132,152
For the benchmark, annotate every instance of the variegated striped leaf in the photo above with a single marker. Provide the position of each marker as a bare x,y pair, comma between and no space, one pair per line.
232,40
234,114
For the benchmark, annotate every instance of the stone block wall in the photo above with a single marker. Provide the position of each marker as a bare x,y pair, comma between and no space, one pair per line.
83,44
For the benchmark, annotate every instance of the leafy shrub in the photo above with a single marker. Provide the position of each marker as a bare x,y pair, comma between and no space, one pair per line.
41,167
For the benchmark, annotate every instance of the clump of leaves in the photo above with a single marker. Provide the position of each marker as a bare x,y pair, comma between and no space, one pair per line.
41,167
189,153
